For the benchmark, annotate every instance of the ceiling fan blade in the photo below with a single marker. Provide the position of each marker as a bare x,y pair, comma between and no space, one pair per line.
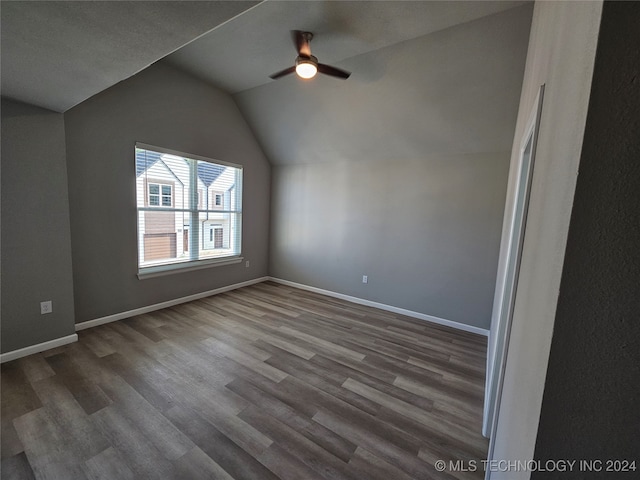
333,71
301,41
282,73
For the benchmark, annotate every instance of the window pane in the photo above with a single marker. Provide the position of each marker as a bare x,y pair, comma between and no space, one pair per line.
173,181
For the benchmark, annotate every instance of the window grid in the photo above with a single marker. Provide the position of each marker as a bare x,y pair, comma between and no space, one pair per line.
175,228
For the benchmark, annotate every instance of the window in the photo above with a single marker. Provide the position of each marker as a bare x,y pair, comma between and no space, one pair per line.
160,195
171,187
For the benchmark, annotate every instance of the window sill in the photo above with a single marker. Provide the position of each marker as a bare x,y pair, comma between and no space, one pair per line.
161,270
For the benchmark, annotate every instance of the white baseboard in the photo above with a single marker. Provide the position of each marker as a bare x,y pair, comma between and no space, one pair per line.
388,308
159,306
40,347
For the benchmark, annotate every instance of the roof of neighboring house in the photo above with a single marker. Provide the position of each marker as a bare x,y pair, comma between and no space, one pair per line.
145,159
208,172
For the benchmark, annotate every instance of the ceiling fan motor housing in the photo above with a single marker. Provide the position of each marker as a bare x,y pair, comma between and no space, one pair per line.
304,59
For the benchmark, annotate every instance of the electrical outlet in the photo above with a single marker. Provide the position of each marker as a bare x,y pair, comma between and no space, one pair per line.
46,307
246,264
365,279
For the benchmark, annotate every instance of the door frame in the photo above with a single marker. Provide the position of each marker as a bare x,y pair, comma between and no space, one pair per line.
506,291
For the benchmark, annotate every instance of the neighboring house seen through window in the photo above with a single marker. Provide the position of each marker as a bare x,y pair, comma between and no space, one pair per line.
189,211
160,195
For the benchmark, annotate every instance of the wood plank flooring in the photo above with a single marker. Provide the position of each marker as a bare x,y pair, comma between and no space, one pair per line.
264,382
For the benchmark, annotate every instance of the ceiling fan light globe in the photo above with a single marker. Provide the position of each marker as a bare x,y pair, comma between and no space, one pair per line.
306,69
306,66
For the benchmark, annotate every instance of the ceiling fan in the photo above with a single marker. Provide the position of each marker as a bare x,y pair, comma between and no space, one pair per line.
306,64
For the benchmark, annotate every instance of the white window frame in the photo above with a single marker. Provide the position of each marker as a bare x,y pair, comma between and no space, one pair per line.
160,195
184,266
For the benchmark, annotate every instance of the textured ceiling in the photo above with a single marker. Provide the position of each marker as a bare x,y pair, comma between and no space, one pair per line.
56,54
243,53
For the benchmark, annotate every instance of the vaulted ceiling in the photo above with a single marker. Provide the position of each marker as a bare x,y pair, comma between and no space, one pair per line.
428,76
241,54
452,91
56,54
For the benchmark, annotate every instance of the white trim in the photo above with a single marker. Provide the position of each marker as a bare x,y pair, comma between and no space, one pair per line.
507,283
159,306
388,308
40,347
181,267
190,156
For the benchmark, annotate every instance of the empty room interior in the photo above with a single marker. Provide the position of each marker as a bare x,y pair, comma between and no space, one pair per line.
320,239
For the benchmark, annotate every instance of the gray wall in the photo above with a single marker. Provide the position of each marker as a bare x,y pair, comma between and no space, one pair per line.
164,107
426,232
36,244
393,173
591,399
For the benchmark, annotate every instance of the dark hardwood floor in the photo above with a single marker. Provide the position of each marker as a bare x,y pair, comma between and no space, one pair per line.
260,383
